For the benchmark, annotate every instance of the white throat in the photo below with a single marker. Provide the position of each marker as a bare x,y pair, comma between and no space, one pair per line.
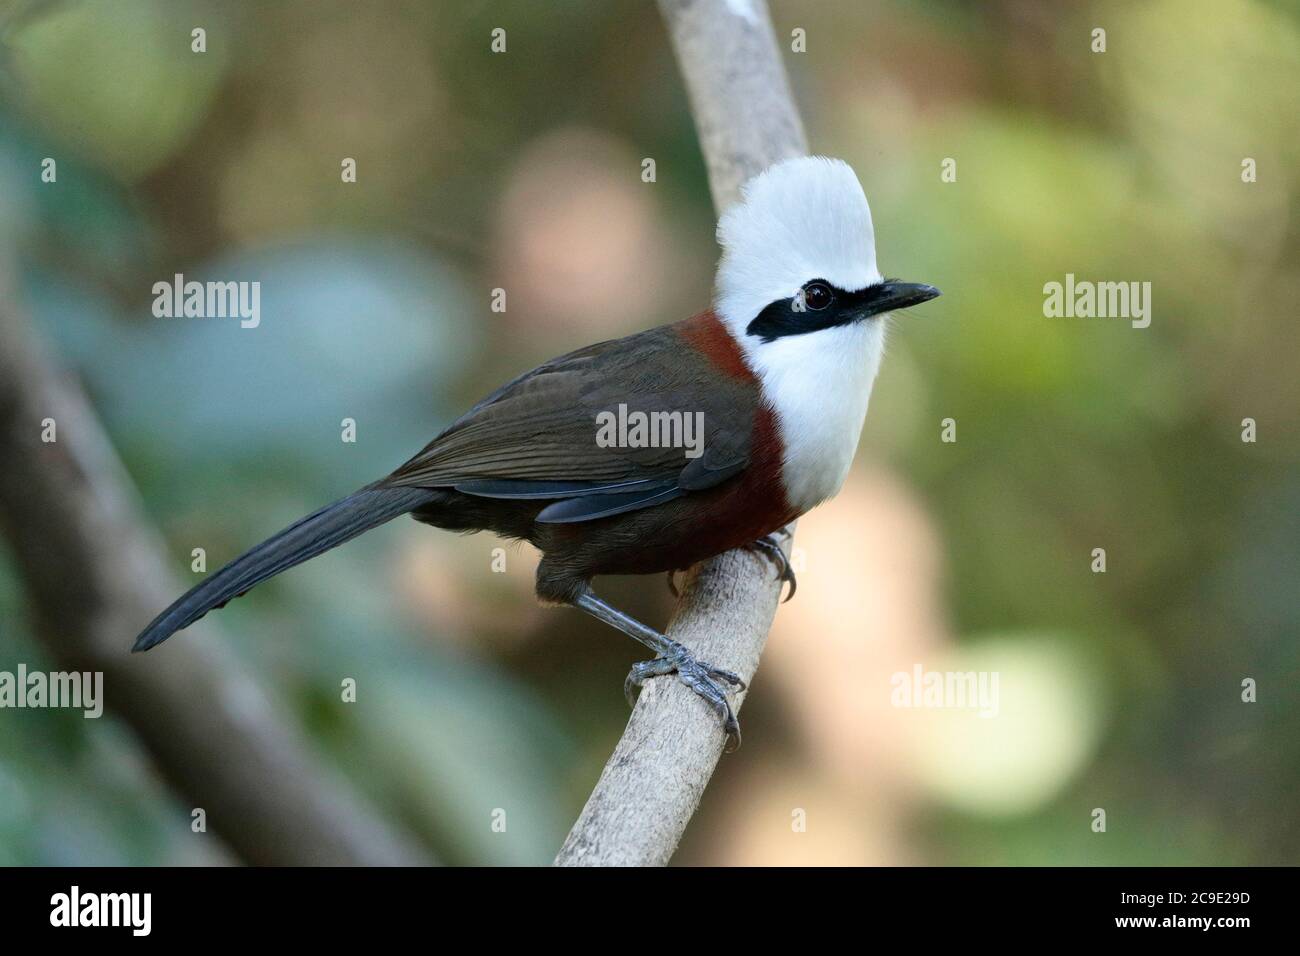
801,220
819,385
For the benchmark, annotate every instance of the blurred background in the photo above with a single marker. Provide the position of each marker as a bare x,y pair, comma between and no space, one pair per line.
1119,690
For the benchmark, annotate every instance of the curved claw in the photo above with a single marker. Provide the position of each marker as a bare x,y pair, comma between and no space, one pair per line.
770,549
718,674
672,583
641,672
788,575
732,728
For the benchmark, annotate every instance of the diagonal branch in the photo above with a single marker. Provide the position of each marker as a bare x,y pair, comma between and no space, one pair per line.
94,572
651,786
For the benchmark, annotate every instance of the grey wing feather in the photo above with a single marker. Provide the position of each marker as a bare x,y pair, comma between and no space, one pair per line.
591,507
510,488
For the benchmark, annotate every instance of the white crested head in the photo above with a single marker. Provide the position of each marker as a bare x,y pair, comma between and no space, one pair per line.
803,220
798,220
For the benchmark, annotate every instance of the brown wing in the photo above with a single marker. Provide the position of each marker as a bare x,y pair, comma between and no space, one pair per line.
536,437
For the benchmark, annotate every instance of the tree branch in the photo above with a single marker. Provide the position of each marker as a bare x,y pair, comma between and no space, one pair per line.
95,573
652,784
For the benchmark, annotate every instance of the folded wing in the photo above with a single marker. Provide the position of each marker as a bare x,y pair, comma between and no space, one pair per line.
537,437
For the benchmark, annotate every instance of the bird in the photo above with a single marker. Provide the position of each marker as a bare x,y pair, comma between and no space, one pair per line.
778,372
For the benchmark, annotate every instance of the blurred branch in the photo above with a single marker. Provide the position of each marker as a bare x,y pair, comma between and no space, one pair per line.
95,574
651,786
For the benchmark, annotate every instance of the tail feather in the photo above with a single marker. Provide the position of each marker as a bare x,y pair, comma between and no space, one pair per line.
304,539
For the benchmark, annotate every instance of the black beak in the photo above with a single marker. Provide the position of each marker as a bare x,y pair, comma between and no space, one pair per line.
892,295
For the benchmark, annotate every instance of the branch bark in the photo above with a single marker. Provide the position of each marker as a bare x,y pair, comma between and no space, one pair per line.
651,786
95,573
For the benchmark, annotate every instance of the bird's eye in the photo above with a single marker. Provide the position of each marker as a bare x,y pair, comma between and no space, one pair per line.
817,296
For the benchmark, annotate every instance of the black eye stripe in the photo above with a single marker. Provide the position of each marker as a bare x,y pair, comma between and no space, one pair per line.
801,313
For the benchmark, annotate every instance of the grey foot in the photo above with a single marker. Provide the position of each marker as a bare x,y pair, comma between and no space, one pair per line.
705,679
770,547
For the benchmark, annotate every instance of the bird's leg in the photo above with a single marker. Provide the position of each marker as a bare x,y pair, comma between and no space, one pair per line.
672,658
770,547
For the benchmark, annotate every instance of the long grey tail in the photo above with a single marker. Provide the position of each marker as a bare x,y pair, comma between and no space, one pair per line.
304,539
